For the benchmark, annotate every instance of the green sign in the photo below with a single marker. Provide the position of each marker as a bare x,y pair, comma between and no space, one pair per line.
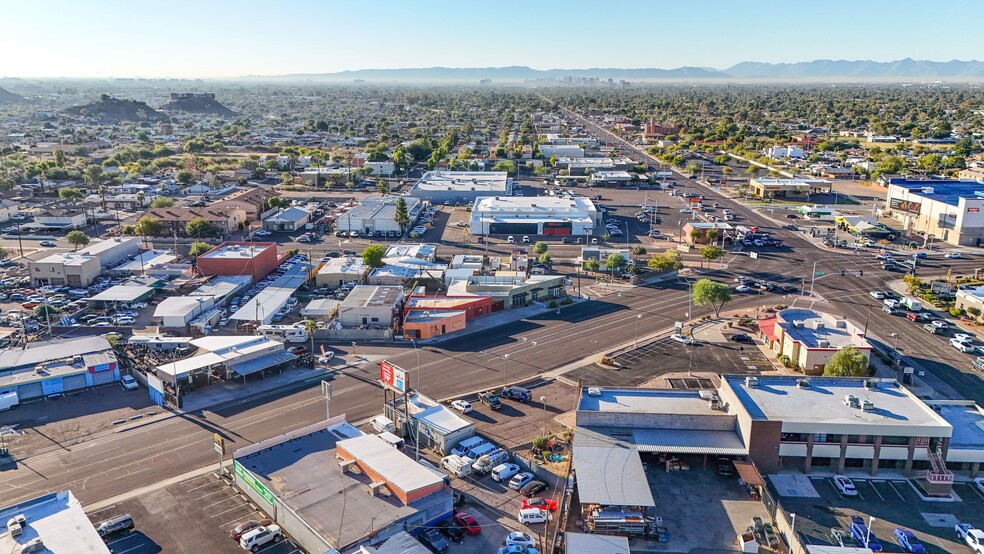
257,486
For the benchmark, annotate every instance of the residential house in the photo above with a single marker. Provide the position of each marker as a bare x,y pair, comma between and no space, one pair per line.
226,220
252,201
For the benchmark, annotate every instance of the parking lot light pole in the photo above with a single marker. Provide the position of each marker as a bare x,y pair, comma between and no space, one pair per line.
543,399
638,317
505,370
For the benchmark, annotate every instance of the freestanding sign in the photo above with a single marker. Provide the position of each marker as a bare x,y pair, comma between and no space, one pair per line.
393,376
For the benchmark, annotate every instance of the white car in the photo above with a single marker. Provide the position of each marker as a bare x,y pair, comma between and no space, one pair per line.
877,294
462,406
845,486
952,255
680,338
253,540
743,288
520,479
940,324
686,211
517,538
326,358
962,346
963,337
128,383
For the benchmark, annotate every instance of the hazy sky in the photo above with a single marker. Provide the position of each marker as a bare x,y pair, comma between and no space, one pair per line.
223,38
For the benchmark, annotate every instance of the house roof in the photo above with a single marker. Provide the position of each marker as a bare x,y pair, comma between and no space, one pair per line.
179,215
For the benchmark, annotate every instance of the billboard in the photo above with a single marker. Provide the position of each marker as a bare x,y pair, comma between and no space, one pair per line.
905,205
393,376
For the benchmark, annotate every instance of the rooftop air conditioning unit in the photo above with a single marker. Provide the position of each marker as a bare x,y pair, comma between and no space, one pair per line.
841,324
867,406
706,394
819,325
824,344
852,401
752,382
802,383
927,190
798,324
869,383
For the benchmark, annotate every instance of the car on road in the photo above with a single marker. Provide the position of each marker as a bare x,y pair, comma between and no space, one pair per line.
262,233
791,216
680,338
907,540
740,337
962,346
254,539
952,255
238,531
963,337
326,358
48,243
432,539
462,406
686,211
845,486
541,503
520,480
877,294
467,523
128,382
940,324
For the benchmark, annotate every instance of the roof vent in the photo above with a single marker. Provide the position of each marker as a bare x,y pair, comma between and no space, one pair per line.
377,487
802,383
870,383
841,324
752,382
867,406
706,394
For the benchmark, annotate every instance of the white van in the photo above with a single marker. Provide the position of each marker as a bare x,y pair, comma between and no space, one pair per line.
382,424
392,440
511,239
485,463
462,448
8,400
534,515
481,450
456,465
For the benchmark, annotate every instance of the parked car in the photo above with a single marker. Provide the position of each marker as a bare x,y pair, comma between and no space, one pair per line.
541,503
462,406
491,400
520,480
114,526
254,539
517,538
238,531
432,539
681,339
467,523
907,540
129,383
845,486
741,337
503,472
532,488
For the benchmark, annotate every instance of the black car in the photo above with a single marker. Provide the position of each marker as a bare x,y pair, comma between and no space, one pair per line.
451,531
533,487
791,216
741,337
789,288
725,468
433,540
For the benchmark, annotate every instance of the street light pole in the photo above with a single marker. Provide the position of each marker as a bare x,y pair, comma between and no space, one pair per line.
543,399
638,317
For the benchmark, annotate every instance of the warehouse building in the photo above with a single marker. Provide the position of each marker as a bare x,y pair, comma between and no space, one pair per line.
789,189
67,269
337,271
371,306
541,215
436,426
938,209
264,306
376,215
583,166
57,520
548,151
289,219
58,366
112,251
256,259
461,187
301,478
178,312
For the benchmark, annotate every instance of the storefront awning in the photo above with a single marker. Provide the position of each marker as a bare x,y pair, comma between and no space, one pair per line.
261,363
749,473
768,328
688,441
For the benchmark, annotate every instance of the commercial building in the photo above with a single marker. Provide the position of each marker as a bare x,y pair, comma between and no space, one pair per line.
337,271
177,312
583,166
541,215
510,289
57,520
703,232
264,306
58,219
221,287
810,338
601,254
940,209
817,213
287,219
377,214
548,151
790,189
425,317
225,358
149,261
69,268
610,178
436,426
398,253
971,298
371,306
58,366
863,226
460,187
303,477
585,543
112,251
255,259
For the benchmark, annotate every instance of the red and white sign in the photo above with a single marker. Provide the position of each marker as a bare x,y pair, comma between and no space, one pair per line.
392,375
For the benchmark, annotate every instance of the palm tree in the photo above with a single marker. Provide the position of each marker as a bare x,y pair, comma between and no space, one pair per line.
102,193
310,326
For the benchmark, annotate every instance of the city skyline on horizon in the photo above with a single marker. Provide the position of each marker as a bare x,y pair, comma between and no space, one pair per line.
226,40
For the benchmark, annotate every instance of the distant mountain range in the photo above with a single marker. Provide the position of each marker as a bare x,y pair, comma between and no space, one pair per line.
7,97
817,70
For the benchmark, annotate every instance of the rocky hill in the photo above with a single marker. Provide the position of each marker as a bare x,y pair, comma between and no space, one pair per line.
113,110
201,103
7,97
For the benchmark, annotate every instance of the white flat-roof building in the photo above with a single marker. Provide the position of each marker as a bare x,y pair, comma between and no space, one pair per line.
580,166
69,268
540,215
178,311
378,214
112,251
457,187
810,338
337,271
58,520
234,356
561,151
602,178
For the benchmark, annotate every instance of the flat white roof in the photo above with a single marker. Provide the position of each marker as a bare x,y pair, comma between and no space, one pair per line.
98,247
265,305
350,265
820,327
480,181
147,260
66,258
123,293
896,410
58,520
179,305
236,251
533,205
391,464
224,350
221,286
642,401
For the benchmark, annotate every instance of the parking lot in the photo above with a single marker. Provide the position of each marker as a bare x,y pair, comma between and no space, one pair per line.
892,502
192,516
665,355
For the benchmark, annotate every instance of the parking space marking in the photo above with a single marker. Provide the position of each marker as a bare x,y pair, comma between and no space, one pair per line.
973,488
231,509
890,484
221,501
222,489
253,514
872,483
272,545
201,486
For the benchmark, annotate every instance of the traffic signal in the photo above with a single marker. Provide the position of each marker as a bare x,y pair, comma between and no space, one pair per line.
842,273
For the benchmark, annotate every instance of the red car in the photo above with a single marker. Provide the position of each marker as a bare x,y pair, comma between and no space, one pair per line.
542,503
467,523
245,527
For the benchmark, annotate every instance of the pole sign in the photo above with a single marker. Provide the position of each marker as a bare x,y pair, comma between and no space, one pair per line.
219,443
393,376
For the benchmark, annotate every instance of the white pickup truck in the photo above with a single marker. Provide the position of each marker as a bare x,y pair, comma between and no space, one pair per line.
971,535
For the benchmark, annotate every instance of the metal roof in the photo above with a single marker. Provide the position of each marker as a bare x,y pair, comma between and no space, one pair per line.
263,362
123,293
609,471
442,420
41,352
689,441
389,463
588,543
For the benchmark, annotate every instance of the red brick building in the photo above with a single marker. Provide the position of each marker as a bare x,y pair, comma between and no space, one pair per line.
256,259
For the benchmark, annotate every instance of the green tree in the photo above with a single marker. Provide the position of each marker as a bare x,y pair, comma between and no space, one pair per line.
667,261
508,166
847,362
692,168
77,239
911,282
711,293
198,248
711,252
3,252
69,193
753,170
540,247
279,202
639,250
45,310
382,187
162,202
184,176
545,258
930,162
93,174
194,145
372,256
402,217
59,157
310,326
591,264
199,227
148,226
614,262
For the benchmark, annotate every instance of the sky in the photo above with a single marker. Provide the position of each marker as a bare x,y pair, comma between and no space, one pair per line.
229,38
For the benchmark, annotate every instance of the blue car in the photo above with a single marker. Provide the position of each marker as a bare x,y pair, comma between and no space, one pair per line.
921,255
864,538
907,540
